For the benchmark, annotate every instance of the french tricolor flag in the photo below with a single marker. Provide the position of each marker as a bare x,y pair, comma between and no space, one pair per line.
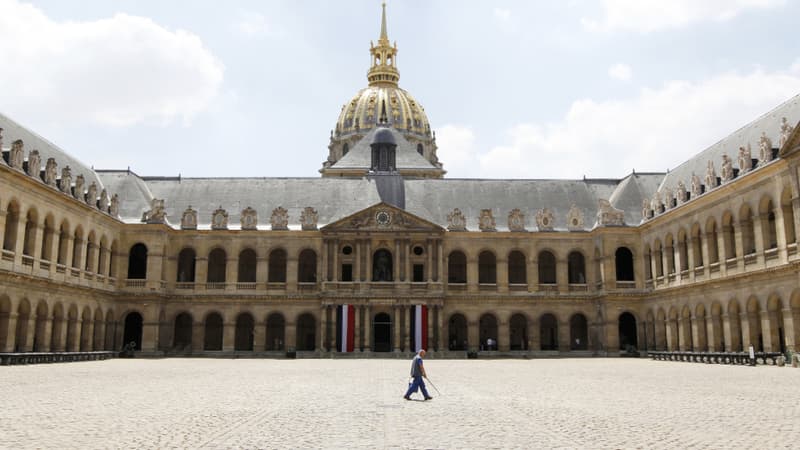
345,327
419,328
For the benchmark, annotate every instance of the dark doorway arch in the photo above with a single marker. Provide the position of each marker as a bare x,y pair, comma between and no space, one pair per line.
277,266
137,262
382,265
457,332
217,266
182,338
133,330
548,337
306,332
245,328
382,332
578,332
518,332
517,271
488,332
307,266
627,332
276,331
547,268
213,336
186,264
456,267
624,261
247,266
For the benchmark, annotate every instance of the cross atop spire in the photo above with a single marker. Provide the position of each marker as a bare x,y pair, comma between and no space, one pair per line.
383,70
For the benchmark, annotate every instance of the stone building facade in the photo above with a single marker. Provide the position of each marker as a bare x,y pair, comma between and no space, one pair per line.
703,257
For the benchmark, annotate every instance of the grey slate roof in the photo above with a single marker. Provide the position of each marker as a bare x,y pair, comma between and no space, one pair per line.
333,198
631,191
435,199
750,133
13,131
406,156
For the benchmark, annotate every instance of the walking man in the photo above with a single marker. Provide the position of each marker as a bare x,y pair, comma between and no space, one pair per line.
418,373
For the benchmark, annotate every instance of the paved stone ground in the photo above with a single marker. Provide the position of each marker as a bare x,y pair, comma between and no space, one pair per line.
565,403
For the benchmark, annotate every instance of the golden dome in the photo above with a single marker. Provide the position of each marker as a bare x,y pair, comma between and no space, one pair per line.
383,104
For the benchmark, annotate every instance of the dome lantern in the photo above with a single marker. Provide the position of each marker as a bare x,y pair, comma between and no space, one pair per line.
384,58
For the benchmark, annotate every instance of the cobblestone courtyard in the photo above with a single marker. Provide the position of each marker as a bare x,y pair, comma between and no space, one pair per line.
208,403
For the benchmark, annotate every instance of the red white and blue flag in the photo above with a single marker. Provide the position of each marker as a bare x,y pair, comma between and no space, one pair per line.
419,328
345,327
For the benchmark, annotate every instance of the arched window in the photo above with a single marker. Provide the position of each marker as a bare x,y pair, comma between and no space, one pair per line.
487,268
307,266
517,271
382,265
729,235
63,244
770,230
697,246
30,233
12,223
247,266
713,248
456,267
658,253
186,265
788,216
77,248
576,268
683,250
137,262
748,234
277,266
547,268
217,265
624,262
420,149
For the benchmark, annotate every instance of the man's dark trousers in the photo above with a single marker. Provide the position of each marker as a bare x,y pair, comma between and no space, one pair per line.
418,383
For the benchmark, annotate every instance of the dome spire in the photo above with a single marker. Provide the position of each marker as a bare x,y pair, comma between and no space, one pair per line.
384,58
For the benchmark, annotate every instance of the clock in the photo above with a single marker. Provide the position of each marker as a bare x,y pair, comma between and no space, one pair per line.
383,218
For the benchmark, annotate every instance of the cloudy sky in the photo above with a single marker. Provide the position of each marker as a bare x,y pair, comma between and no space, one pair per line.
514,89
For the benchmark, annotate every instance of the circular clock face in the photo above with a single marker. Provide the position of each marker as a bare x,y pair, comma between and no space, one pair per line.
383,218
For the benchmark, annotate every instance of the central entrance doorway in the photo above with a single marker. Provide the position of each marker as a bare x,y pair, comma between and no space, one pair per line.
382,332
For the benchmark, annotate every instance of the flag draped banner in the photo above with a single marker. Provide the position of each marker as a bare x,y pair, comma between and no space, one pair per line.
345,327
419,327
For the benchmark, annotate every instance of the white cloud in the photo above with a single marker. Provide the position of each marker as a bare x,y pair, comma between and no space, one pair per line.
620,72
252,24
117,71
658,129
502,14
456,149
653,15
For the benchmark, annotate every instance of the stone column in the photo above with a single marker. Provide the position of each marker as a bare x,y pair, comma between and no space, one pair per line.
87,336
472,274
739,241
357,267
766,332
326,276
780,233
323,328
759,227
335,251
503,339
406,332
711,338
155,260
231,272
198,336
431,344
612,336
357,326
259,336
705,251
228,336
790,324
672,338
291,272
368,261
439,261
38,233
367,328
291,335
532,274
19,245
441,337
727,334
429,265
396,261
10,333
397,327
262,267
62,336
473,335
722,252
408,275
150,335
333,344
744,326
502,275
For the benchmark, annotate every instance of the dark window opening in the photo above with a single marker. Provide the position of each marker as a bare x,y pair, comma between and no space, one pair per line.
419,273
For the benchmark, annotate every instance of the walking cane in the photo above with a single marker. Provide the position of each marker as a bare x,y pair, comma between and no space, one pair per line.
434,386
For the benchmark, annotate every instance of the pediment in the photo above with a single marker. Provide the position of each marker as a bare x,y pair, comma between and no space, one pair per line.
382,218
792,144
